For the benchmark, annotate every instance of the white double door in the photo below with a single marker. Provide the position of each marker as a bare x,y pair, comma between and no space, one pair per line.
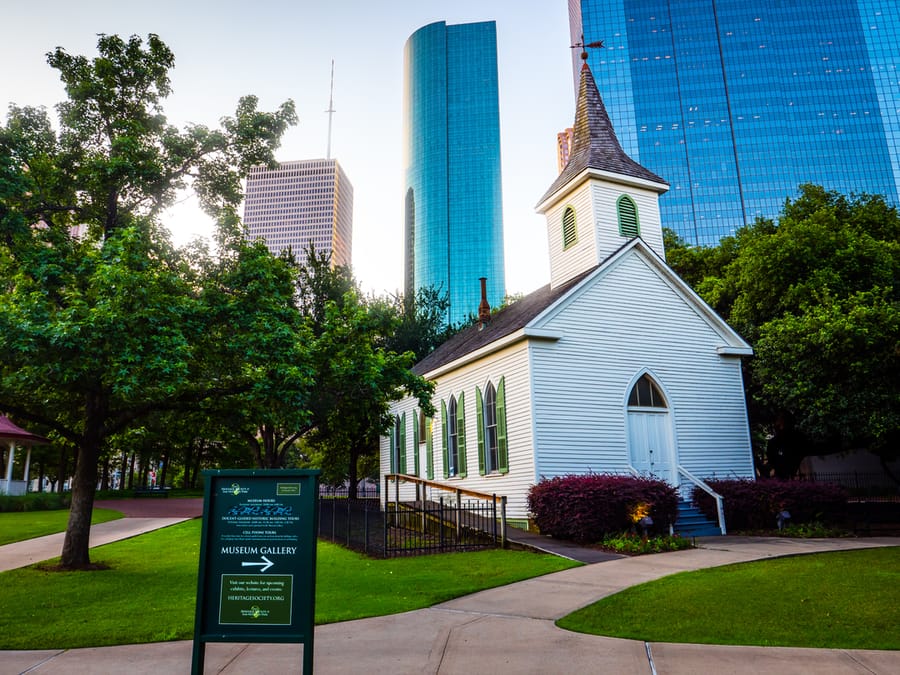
650,445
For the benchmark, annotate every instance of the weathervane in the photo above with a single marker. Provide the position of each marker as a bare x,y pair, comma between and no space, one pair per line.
584,47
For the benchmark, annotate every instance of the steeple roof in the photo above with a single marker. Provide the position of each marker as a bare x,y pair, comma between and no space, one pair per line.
595,145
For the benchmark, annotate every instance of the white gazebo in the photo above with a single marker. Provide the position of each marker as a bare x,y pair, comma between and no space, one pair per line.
15,435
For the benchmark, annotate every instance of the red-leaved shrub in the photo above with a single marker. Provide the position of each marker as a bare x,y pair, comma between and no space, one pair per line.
584,508
754,505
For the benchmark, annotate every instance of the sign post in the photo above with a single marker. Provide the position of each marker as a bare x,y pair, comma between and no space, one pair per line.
257,576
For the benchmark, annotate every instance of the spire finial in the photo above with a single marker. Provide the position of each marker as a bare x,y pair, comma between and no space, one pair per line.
585,46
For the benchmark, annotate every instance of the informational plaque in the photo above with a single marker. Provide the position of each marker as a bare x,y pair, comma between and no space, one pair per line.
257,575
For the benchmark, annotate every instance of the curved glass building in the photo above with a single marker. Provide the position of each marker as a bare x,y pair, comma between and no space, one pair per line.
451,127
737,103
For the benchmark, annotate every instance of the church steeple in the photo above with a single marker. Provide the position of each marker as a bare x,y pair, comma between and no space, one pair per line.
602,198
595,145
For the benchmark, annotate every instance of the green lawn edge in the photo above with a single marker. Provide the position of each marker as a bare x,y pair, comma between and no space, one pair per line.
835,600
148,594
22,525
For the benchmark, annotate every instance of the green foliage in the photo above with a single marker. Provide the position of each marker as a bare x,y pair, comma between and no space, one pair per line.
816,293
631,543
40,518
107,327
157,572
841,600
34,501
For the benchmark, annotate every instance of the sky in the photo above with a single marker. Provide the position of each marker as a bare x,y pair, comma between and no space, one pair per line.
280,49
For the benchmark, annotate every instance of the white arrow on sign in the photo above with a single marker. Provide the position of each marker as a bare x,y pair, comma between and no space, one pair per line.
262,565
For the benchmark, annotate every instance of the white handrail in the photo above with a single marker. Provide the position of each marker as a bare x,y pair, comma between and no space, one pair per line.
720,507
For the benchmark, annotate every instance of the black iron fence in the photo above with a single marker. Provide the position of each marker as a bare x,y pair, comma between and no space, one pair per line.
858,483
436,527
415,526
357,524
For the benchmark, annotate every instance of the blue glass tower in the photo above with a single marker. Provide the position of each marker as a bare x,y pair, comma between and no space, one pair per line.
452,209
737,103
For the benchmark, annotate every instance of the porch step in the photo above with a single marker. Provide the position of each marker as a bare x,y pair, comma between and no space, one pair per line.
690,522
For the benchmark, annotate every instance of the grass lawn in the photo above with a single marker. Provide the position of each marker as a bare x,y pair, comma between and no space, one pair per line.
847,600
149,593
19,526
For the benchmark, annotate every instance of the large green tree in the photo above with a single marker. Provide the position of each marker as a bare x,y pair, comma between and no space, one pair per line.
816,292
100,329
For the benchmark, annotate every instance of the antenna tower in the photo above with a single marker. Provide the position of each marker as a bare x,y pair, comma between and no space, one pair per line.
330,110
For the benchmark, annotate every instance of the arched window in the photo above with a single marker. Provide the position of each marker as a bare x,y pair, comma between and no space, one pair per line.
646,394
453,422
570,232
452,439
628,218
493,456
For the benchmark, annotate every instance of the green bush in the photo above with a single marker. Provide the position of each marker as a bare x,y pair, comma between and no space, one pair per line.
35,501
633,544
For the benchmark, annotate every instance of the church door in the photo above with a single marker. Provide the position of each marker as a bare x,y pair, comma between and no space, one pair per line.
650,445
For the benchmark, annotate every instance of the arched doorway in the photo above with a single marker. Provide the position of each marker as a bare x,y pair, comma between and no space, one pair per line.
650,447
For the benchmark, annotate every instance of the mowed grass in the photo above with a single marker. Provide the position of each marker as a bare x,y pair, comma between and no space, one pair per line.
149,593
846,600
19,526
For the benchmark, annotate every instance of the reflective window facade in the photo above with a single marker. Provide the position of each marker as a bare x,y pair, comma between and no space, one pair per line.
298,203
453,214
737,103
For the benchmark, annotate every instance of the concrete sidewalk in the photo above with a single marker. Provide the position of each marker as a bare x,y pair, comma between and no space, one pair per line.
498,631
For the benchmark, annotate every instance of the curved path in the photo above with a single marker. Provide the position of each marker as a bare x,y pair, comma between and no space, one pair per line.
503,630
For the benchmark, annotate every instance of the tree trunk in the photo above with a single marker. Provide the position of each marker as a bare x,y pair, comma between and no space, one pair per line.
76,546
353,474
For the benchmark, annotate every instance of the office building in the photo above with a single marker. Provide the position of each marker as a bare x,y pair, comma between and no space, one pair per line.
298,203
737,103
452,207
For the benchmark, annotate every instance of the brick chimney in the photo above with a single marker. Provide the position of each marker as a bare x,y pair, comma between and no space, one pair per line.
484,307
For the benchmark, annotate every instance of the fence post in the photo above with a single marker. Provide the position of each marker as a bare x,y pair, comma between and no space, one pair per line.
494,516
458,515
503,521
349,516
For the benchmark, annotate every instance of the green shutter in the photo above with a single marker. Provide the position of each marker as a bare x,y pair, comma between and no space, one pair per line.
445,438
429,449
570,233
479,417
416,444
628,220
461,435
393,446
402,467
502,452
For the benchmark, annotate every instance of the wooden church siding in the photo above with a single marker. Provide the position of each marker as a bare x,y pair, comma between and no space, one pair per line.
568,263
512,365
605,199
580,391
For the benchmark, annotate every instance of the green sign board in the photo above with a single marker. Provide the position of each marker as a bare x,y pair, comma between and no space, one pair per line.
257,574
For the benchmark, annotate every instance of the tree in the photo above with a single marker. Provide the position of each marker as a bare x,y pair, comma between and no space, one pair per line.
817,295
357,372
102,329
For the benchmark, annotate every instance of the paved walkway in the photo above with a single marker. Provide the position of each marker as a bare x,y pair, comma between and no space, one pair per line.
502,630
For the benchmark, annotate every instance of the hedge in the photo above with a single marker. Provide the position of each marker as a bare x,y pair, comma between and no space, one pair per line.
754,505
585,508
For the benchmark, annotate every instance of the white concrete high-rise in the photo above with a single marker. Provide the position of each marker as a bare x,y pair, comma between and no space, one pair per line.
298,203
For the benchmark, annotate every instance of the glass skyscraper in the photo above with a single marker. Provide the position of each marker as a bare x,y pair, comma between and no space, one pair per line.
451,126
737,102
301,203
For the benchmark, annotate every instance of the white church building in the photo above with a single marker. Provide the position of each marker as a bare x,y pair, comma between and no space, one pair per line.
615,366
